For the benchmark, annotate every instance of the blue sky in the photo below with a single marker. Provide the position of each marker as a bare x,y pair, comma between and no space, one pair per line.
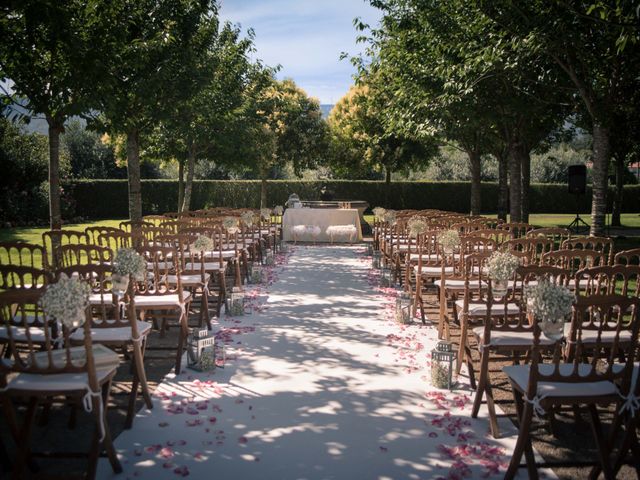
306,38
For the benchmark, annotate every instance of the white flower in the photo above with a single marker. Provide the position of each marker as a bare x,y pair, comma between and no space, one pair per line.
265,213
129,262
230,223
279,210
548,301
67,300
390,217
449,239
502,265
248,218
417,226
202,244
379,212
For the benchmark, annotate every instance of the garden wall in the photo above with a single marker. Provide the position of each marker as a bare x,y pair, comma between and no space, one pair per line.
108,198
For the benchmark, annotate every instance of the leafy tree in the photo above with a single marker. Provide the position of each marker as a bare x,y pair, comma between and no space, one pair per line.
155,63
596,56
47,54
362,143
90,155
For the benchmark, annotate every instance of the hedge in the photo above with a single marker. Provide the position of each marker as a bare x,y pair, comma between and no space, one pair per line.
96,199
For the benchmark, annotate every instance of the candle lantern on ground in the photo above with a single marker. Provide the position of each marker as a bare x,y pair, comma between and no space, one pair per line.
236,302
255,274
443,365
375,259
201,350
386,276
404,308
268,257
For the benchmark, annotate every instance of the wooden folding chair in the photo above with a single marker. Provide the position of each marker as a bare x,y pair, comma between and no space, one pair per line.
556,234
519,229
603,245
23,254
627,257
576,376
42,374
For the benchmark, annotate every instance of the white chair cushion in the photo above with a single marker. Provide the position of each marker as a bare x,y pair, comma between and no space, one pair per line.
480,309
591,336
520,375
434,270
169,300
214,266
189,280
112,334
99,299
58,382
19,334
504,338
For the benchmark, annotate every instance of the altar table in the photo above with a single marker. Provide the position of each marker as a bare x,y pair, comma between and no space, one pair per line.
323,218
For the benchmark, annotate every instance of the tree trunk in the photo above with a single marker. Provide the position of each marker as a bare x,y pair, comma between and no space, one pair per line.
133,173
525,173
188,187
263,186
601,154
55,212
617,201
474,168
503,185
387,176
180,184
515,184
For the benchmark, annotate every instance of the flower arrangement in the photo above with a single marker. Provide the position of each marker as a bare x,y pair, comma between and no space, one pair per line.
67,300
449,239
230,224
379,212
549,304
129,262
202,244
502,265
248,218
265,214
390,217
278,210
417,226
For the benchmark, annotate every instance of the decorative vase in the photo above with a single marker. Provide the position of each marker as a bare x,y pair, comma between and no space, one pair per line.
119,284
499,288
553,329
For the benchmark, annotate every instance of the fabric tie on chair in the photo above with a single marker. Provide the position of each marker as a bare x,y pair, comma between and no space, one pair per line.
538,410
88,407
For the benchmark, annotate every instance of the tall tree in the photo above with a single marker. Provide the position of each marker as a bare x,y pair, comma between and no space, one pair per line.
47,56
156,62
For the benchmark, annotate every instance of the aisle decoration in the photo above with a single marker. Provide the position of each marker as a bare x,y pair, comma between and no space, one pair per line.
201,350
265,214
501,268
390,217
278,210
230,224
378,213
449,240
202,244
66,301
417,226
550,304
443,365
248,218
127,264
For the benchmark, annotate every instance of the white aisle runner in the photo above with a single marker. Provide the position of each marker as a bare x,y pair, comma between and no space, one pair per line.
319,384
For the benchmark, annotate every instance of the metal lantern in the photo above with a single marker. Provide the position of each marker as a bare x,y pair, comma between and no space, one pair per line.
386,276
236,302
404,308
201,350
443,365
284,247
369,249
375,259
268,257
255,274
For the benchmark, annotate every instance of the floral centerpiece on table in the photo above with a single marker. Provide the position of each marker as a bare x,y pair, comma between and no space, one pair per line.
67,301
202,244
378,213
449,240
278,210
501,268
549,304
417,226
230,224
248,218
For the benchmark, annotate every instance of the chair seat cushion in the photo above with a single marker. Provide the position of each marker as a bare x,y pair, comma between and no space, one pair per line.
457,284
480,309
433,270
112,334
214,266
159,301
607,336
19,334
57,382
505,338
519,374
99,299
189,280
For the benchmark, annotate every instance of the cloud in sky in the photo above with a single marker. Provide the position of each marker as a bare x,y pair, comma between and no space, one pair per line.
306,38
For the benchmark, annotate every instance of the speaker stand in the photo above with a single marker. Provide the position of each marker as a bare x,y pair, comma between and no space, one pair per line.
578,225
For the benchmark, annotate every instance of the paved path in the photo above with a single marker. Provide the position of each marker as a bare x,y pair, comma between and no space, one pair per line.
319,383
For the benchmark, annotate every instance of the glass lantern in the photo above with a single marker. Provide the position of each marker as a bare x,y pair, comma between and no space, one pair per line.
443,365
375,259
255,274
268,257
499,288
386,276
201,350
284,247
236,302
369,249
404,308
119,284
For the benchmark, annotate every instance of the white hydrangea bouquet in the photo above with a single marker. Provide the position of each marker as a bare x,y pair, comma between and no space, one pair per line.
502,266
67,301
278,210
230,224
129,262
265,214
390,217
248,218
202,244
549,304
449,240
379,212
417,226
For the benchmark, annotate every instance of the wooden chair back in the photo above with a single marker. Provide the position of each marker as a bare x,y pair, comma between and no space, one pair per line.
519,229
53,239
628,257
573,260
532,248
556,234
497,234
93,233
23,254
22,277
599,244
610,280
70,255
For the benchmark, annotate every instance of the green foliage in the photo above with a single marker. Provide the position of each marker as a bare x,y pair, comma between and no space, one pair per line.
107,198
89,155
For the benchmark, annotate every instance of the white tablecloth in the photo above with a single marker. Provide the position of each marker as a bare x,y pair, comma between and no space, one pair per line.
323,218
